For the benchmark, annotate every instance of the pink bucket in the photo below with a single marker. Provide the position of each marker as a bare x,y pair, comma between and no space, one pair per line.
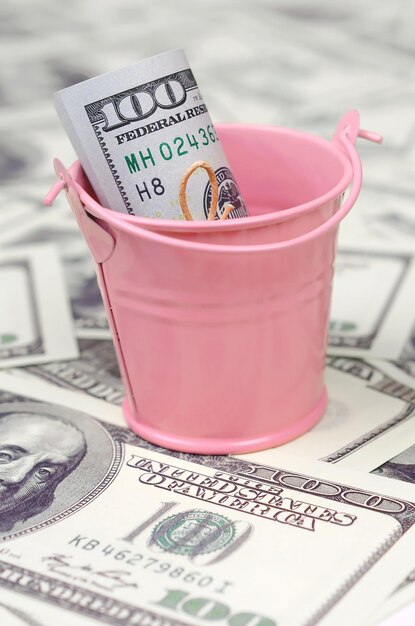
220,328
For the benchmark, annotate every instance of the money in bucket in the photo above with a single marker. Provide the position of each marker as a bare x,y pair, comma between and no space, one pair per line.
145,139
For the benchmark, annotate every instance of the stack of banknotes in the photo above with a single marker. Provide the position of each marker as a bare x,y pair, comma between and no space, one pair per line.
100,526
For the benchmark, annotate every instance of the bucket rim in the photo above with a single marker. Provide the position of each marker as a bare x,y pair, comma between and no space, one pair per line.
104,216
242,223
86,209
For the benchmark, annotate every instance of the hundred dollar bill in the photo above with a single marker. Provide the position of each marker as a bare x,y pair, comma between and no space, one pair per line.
372,303
403,368
95,372
11,614
27,151
86,303
406,361
11,211
136,132
400,467
128,535
384,211
35,320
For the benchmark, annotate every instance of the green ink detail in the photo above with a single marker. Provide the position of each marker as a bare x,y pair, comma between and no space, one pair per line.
8,338
244,619
172,599
149,157
343,327
195,606
163,147
193,532
132,163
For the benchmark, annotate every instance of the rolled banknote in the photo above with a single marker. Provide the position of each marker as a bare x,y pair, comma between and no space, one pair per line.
138,130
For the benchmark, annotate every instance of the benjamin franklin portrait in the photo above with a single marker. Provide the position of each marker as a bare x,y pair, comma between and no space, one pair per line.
50,458
401,467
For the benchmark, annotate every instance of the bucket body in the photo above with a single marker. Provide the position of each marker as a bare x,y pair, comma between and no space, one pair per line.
220,329
224,353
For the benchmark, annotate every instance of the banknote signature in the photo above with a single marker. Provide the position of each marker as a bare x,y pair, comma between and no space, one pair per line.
106,579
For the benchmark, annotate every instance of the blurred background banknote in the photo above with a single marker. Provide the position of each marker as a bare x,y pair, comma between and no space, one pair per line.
35,320
99,526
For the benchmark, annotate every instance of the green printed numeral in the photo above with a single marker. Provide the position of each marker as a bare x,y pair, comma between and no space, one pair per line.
210,610
180,149
211,133
202,132
342,327
7,338
165,151
193,142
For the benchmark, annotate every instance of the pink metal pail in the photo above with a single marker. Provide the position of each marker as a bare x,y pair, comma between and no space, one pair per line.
221,334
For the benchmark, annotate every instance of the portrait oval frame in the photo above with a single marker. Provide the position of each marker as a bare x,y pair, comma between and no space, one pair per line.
98,467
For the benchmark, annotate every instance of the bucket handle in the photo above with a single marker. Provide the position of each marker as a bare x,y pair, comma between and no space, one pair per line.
351,121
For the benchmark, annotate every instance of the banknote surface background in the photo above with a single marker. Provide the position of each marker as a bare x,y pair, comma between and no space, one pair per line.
294,64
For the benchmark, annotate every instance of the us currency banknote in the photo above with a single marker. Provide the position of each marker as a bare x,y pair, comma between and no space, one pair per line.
399,467
32,612
403,368
13,212
27,153
127,535
406,361
95,372
35,320
85,298
137,131
371,312
12,615
383,214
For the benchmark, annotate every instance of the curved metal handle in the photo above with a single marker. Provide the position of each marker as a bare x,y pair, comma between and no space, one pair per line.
350,122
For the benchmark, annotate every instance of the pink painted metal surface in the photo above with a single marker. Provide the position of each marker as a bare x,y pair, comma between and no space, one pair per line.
221,328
